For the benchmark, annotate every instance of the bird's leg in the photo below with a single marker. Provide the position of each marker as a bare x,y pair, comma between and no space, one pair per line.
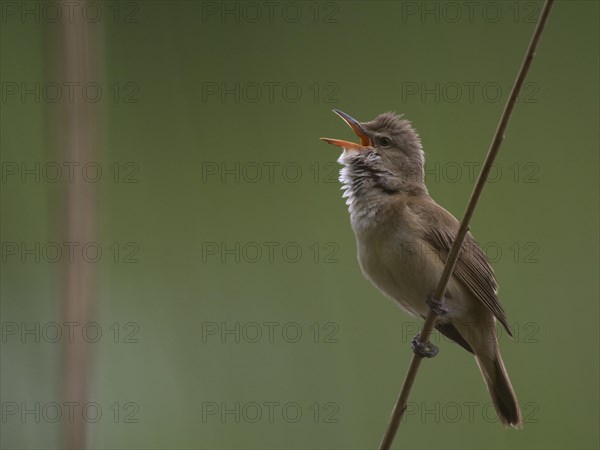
427,349
437,306
423,349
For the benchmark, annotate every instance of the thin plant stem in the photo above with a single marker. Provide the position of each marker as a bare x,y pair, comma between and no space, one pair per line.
440,291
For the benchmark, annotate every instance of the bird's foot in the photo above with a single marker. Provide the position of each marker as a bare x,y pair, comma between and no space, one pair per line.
437,306
423,349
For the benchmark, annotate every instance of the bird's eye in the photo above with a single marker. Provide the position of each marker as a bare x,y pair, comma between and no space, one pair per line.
385,141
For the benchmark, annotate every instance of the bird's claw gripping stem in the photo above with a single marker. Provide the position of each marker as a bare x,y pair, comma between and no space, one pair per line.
437,306
423,349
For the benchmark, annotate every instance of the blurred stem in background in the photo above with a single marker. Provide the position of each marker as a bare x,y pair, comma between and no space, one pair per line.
79,54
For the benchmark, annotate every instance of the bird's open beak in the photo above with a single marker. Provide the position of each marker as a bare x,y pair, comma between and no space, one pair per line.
365,141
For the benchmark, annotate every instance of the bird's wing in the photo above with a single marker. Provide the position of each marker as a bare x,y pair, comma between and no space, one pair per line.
472,268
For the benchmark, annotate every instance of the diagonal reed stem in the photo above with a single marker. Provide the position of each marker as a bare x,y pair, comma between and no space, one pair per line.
429,324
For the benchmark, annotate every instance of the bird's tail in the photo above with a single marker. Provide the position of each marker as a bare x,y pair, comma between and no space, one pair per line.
500,389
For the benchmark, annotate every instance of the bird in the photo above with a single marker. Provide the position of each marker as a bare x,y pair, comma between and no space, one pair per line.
403,238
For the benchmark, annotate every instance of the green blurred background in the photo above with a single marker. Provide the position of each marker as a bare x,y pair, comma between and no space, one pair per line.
226,212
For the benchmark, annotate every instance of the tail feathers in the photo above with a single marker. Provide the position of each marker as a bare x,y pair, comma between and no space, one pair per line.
501,391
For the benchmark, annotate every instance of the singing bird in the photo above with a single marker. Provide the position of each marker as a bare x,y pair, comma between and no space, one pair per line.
403,238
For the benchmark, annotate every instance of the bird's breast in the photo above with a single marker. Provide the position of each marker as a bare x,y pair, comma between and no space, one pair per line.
400,264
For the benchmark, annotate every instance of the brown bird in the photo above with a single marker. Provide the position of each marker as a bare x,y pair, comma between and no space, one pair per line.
403,239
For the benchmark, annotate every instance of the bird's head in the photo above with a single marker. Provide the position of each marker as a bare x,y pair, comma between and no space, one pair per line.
389,153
